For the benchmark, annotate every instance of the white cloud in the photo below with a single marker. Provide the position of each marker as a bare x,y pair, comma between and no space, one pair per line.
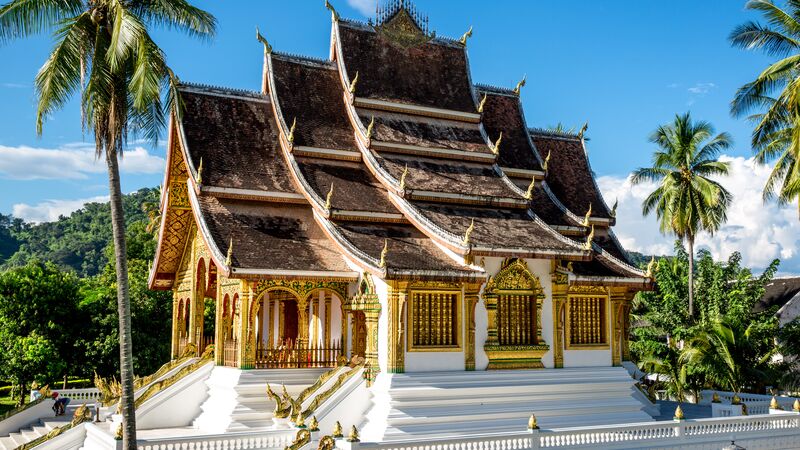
365,7
51,210
14,85
701,88
70,161
760,232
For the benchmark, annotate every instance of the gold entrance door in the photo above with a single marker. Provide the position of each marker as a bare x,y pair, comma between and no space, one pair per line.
359,334
290,323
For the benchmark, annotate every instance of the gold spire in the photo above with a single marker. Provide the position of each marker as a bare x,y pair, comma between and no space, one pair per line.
773,404
383,253
521,83
313,425
291,131
715,398
496,146
468,233
583,130
300,421
267,47
679,413
532,423
587,216
369,127
337,430
483,102
589,239
353,82
796,406
613,212
200,172
465,36
403,178
328,198
229,257
529,192
332,10
353,436
650,266
546,162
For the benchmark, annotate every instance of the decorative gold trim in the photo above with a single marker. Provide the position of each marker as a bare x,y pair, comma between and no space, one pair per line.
579,310
483,102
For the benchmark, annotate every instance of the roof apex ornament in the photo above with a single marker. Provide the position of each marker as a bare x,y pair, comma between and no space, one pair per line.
587,216
290,138
613,212
229,256
468,233
328,198
403,178
496,146
520,84
334,14
384,252
465,36
588,244
352,87
583,130
650,266
483,102
529,192
200,172
546,162
369,128
267,47
532,423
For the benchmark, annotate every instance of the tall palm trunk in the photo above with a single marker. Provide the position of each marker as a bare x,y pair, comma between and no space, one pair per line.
123,303
690,244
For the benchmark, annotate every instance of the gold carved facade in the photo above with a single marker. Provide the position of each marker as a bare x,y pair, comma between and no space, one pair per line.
435,320
587,318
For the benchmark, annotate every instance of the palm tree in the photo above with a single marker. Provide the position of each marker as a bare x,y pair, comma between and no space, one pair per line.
686,200
669,368
103,50
152,208
774,95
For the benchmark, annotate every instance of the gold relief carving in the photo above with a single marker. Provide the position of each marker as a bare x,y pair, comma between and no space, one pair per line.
602,290
514,276
403,30
586,321
470,300
179,195
301,288
435,321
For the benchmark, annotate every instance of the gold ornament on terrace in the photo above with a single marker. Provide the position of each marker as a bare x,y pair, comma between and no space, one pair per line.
481,105
326,443
313,425
613,212
369,128
267,47
282,405
332,10
299,421
496,146
736,400
583,130
337,430
715,398
403,178
353,436
521,83
329,197
587,216
353,83
588,244
118,433
773,404
796,406
529,192
229,256
546,162
465,36
679,413
468,233
200,172
291,131
385,251
532,423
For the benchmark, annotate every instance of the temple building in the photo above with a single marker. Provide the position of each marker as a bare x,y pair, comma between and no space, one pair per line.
381,204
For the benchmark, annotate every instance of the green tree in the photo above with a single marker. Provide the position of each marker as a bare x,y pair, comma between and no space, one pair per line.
29,358
773,95
687,200
103,49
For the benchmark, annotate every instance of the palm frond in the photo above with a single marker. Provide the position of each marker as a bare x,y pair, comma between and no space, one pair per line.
23,18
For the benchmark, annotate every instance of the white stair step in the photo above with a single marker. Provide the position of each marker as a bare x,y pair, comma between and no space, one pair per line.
6,443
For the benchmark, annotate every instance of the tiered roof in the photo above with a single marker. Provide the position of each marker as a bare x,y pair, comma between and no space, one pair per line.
386,159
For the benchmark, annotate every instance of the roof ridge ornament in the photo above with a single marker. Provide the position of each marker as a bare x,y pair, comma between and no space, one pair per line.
588,245
352,87
583,130
650,266
403,178
496,146
546,162
613,212
465,36
229,256
482,104
384,252
334,14
529,192
369,128
587,216
200,172
290,138
267,47
328,198
520,84
468,233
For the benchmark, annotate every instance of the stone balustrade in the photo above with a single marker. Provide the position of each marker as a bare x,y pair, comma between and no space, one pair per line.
265,439
85,395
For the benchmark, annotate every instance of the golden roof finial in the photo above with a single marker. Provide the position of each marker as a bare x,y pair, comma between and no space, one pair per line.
546,162
337,430
521,83
465,36
353,436
796,406
773,404
583,130
335,14
229,257
200,172
650,266
291,131
496,146
483,102
532,423
529,192
369,128
267,47
679,413
589,239
328,198
353,82
384,252
587,216
613,212
403,178
468,233
313,425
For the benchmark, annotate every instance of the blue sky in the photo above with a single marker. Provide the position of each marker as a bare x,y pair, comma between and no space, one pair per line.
623,66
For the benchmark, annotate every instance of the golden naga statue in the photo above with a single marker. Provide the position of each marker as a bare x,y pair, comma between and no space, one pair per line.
326,443
283,404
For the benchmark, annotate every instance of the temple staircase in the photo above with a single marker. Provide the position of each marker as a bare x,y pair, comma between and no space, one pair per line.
37,429
448,404
237,399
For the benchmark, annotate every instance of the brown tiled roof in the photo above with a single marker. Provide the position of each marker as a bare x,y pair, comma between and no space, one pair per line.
569,175
272,236
434,74
354,188
610,244
778,292
495,227
425,132
311,92
451,178
236,138
543,206
503,113
595,268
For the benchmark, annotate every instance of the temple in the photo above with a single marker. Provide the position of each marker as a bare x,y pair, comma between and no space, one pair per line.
380,204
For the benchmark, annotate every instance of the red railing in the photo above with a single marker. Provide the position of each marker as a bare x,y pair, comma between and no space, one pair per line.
291,356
